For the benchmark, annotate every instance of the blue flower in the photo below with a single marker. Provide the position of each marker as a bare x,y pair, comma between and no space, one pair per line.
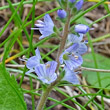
77,48
72,1
81,28
46,27
70,76
72,56
79,4
61,14
72,38
46,72
33,61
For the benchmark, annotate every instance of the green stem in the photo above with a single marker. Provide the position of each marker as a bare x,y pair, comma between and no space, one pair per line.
45,94
43,98
51,99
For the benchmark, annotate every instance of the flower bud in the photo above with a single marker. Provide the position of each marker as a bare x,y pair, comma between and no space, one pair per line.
61,14
79,4
81,28
72,1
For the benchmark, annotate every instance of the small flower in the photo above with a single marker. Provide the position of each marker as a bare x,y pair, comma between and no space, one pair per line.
71,56
33,61
61,14
46,27
82,48
70,76
72,38
81,28
46,72
79,4
77,48
72,1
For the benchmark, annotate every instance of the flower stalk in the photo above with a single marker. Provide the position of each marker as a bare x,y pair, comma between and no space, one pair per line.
71,56
64,38
46,93
44,97
62,45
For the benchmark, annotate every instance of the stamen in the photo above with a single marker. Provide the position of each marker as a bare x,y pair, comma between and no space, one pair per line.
73,54
39,25
40,22
76,57
86,41
47,65
34,28
23,58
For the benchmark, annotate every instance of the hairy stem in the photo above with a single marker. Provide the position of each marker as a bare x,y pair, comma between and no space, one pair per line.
43,98
64,38
45,94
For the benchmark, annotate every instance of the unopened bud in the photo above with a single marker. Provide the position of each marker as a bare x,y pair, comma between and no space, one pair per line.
81,28
79,4
61,14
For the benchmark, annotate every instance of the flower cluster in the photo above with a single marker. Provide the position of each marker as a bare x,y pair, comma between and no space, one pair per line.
71,57
45,72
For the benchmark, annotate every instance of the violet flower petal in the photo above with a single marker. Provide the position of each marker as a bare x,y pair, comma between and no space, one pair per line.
61,14
74,38
72,48
79,4
51,67
76,61
38,53
43,75
31,70
48,21
41,70
70,76
73,62
81,28
32,62
82,49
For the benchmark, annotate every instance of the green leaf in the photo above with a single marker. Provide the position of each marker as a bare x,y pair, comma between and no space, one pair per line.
11,98
103,63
